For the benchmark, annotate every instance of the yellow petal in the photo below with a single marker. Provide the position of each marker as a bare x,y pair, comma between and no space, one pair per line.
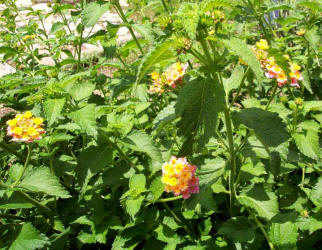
27,114
38,120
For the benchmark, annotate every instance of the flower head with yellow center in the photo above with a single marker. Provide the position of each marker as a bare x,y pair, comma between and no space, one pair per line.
25,127
179,177
172,77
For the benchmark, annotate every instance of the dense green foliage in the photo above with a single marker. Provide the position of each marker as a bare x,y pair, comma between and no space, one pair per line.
94,179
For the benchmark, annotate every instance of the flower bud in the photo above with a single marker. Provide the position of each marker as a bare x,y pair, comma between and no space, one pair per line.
299,101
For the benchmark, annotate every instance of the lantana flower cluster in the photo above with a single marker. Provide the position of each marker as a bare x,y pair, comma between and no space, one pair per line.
179,177
25,127
272,69
172,77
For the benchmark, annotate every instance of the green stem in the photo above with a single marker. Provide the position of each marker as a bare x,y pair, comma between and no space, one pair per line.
242,143
240,86
51,162
169,199
258,18
272,96
10,150
80,49
4,186
303,176
25,165
290,90
197,55
222,140
121,153
205,48
124,19
261,227
164,5
10,216
229,129
295,119
42,207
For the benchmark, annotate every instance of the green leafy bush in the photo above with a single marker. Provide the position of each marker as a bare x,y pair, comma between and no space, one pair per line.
202,131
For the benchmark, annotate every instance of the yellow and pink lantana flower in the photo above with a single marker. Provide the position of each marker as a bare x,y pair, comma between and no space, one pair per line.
25,127
272,69
172,77
179,177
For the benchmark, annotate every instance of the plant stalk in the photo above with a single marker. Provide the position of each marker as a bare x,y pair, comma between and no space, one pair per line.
169,199
261,227
164,6
272,96
240,86
124,19
25,165
232,190
42,207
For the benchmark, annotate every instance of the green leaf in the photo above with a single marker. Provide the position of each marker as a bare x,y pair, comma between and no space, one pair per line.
141,106
137,184
313,38
312,106
86,238
209,5
262,201
308,143
93,11
240,48
80,90
156,188
268,126
133,206
188,14
201,202
14,201
164,117
29,238
85,118
306,81
71,79
198,105
145,30
316,193
160,52
278,7
238,229
142,142
43,181
309,125
7,50
235,79
283,235
167,235
93,160
211,171
312,222
52,109
313,5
